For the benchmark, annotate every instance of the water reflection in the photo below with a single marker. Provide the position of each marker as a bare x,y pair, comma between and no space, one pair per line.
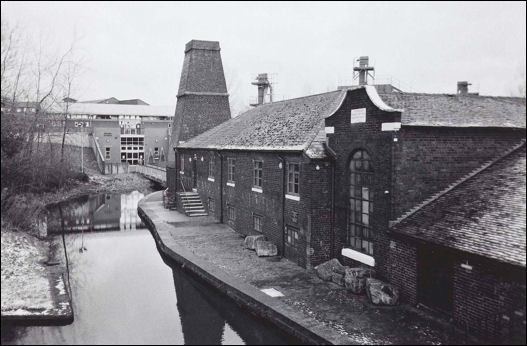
124,292
102,212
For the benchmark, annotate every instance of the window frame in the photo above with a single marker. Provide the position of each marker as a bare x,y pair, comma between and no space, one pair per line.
360,202
182,163
231,213
107,153
260,223
212,167
293,178
231,169
258,174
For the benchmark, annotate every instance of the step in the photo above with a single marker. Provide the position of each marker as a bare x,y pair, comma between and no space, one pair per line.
198,207
199,214
191,202
188,194
190,199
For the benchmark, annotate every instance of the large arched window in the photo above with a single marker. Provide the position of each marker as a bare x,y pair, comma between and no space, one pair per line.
361,202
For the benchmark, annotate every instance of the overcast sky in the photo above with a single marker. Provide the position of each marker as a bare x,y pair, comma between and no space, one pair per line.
135,50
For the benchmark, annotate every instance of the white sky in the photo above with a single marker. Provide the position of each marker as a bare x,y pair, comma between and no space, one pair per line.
135,50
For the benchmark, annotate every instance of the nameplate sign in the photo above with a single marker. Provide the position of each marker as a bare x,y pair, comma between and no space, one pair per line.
358,115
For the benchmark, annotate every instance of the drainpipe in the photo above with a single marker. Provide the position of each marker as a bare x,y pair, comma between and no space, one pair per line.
333,162
282,161
221,186
332,248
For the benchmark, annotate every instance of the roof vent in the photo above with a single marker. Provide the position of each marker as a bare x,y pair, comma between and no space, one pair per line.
462,87
264,89
363,70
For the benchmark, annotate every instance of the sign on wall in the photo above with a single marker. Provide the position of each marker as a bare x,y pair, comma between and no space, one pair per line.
358,115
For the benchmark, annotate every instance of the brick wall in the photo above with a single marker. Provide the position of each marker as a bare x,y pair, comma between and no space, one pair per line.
401,267
489,299
428,159
347,139
311,218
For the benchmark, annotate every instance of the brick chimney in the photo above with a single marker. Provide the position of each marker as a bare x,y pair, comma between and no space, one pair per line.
462,87
202,99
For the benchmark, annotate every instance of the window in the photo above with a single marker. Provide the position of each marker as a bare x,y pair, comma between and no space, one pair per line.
230,169
257,223
293,175
257,173
107,153
211,167
231,213
291,236
212,205
182,163
361,203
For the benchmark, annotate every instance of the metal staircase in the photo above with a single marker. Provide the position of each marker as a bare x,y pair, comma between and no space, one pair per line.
191,203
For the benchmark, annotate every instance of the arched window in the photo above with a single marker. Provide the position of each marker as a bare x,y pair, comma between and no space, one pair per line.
361,202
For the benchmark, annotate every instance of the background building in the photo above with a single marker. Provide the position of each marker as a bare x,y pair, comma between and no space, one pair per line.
126,132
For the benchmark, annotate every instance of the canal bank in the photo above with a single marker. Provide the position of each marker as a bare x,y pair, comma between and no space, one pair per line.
35,285
126,293
312,310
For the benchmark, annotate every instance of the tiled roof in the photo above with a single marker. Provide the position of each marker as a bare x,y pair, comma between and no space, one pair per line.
485,215
289,125
457,111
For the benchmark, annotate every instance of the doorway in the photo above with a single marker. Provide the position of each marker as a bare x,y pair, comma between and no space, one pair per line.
435,278
194,175
292,244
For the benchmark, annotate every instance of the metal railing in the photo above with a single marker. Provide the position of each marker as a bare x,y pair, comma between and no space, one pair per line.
155,172
98,153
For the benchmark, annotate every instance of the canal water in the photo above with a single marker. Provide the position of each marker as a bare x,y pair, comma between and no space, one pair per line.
124,292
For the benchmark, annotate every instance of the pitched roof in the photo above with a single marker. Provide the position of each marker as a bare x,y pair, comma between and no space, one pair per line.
484,215
457,111
290,125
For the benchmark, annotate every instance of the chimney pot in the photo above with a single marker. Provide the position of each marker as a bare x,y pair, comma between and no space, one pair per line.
462,87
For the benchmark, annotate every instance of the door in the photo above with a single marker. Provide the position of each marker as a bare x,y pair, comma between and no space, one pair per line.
292,242
435,278
194,175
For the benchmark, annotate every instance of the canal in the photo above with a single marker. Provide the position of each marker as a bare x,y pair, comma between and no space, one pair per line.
124,292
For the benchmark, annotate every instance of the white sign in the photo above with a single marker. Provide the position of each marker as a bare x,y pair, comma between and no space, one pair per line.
395,126
358,115
82,124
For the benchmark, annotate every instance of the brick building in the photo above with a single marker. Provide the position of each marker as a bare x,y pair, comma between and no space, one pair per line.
429,189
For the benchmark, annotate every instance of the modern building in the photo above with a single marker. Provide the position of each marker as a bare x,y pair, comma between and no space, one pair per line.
428,189
127,132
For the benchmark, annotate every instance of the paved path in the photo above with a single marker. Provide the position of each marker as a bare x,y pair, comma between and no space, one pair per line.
216,253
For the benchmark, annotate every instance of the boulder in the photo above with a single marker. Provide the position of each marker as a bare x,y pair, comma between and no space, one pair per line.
265,248
250,241
360,272
325,270
355,279
381,293
337,278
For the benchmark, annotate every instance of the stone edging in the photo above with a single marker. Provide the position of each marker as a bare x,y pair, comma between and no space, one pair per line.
243,294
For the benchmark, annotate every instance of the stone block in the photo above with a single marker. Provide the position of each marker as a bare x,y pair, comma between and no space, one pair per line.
250,241
266,248
337,278
380,292
325,270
